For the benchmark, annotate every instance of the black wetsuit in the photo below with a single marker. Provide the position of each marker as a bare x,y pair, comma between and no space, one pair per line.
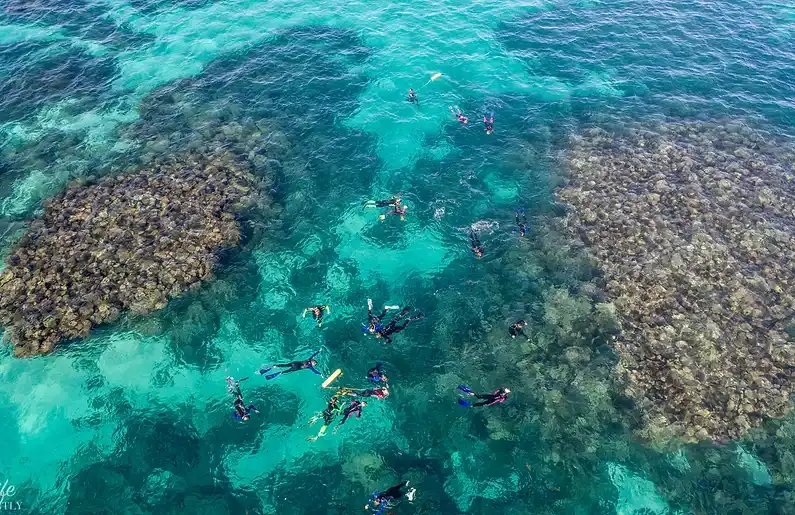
317,313
516,329
521,221
474,242
240,406
392,493
491,398
413,98
293,366
392,327
331,411
394,201
374,320
353,407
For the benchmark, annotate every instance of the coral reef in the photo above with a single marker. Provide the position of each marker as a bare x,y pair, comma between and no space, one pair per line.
125,242
692,225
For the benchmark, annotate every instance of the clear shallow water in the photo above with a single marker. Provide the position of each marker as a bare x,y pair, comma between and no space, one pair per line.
137,419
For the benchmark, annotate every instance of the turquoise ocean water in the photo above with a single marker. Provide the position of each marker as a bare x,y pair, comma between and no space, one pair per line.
137,418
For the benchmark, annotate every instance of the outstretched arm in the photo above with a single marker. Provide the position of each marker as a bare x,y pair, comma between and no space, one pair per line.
303,315
327,308
310,367
315,354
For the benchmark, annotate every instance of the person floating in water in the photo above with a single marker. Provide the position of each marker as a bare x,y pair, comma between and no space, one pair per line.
241,410
381,500
488,122
474,243
333,409
396,210
377,375
521,221
413,97
394,203
354,407
293,366
391,328
381,392
459,115
374,321
317,313
517,328
489,399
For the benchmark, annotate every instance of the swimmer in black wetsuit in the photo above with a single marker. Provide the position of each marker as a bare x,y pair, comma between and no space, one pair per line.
241,410
332,410
293,366
391,494
474,243
517,328
521,221
413,97
353,407
489,399
391,328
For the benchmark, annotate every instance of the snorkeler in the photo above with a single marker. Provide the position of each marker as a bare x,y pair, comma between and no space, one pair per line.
391,494
353,407
488,122
489,399
382,392
516,329
332,410
396,210
317,313
293,366
474,242
374,320
413,97
394,201
521,221
459,115
391,328
241,411
377,375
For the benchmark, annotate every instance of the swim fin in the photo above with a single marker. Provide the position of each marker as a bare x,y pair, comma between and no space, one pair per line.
271,376
264,371
464,388
464,403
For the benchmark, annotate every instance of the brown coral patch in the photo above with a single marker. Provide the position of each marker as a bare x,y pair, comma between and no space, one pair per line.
125,243
692,224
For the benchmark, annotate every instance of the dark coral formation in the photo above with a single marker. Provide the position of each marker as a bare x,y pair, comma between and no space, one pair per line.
692,224
127,242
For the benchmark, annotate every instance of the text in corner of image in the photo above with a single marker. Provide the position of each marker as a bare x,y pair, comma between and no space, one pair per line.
7,492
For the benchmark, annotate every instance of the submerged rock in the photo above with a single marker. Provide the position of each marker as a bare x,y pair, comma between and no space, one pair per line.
124,243
692,225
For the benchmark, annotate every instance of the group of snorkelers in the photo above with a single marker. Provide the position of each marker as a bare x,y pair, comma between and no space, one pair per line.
336,407
488,119
378,326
